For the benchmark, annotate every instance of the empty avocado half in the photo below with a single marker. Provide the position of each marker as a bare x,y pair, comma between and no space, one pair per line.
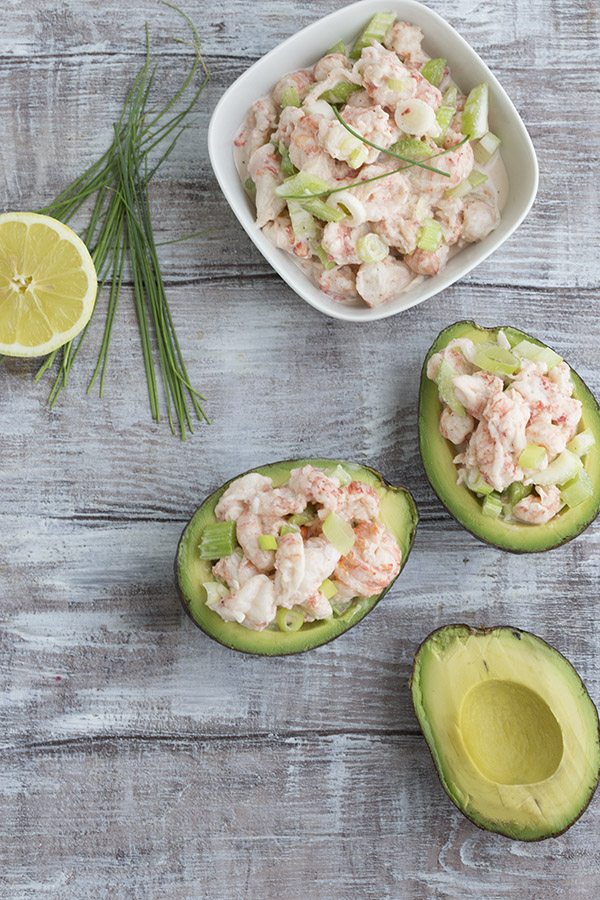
463,504
397,512
511,728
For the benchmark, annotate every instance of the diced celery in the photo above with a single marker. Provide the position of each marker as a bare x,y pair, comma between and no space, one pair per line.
303,518
582,443
412,148
215,592
322,210
287,166
371,248
289,619
444,116
344,477
357,157
492,358
303,224
303,184
578,490
535,353
250,188
564,468
288,529
341,92
290,96
267,542
421,209
430,235
477,483
492,505
516,492
340,47
433,70
339,533
445,383
450,96
476,178
485,147
218,540
321,254
533,457
375,30
341,607
475,113
400,85
328,589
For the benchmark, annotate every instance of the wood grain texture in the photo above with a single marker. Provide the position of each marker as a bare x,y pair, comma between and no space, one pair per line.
139,759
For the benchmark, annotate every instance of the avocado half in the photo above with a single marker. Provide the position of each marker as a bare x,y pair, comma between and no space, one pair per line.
511,728
437,454
398,513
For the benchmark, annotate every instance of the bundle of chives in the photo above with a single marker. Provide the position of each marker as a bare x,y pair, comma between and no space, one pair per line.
120,232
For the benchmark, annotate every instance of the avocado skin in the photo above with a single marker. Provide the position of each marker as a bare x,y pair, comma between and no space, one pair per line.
591,410
518,633
289,464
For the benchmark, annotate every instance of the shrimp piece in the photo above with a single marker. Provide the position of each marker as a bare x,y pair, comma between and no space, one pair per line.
317,607
281,233
474,391
277,503
359,99
544,396
314,486
455,428
374,124
405,39
320,560
459,352
359,502
383,281
235,570
541,506
480,217
289,118
378,68
307,153
380,198
373,562
339,283
339,242
252,606
328,64
249,527
290,568
458,164
399,230
541,430
449,213
236,498
561,376
254,132
301,81
499,439
265,172
427,262
426,92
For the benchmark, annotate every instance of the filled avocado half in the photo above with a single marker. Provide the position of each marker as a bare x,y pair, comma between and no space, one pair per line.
397,513
487,515
511,728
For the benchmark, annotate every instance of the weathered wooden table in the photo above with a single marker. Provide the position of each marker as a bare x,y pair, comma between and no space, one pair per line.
138,758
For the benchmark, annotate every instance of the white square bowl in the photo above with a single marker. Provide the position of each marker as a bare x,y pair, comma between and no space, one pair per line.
303,50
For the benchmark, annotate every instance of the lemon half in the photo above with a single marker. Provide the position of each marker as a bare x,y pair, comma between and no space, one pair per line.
48,284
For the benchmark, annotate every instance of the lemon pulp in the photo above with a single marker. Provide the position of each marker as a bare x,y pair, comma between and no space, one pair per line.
48,284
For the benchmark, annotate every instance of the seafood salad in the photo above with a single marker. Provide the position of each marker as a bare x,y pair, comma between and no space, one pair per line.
299,552
517,428
371,167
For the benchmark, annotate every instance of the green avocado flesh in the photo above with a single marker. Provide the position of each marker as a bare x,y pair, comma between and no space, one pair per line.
437,454
397,512
511,729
